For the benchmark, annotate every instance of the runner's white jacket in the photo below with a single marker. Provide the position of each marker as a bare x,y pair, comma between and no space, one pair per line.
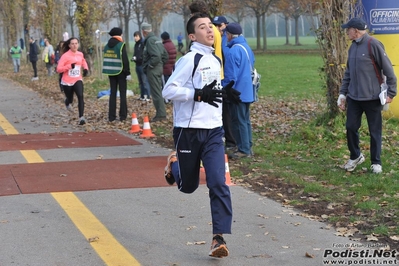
180,87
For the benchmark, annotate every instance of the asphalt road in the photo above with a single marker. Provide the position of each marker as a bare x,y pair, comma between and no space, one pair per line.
150,225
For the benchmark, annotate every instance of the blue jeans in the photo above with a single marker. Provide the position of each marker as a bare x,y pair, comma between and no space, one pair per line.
16,62
354,112
241,126
143,82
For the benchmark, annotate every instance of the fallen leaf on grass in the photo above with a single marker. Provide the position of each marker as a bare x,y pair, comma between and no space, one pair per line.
371,238
394,238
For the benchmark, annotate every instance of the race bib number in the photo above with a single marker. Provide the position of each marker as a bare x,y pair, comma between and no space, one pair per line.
74,72
207,76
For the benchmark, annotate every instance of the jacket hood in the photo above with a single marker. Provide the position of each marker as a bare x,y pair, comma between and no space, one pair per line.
113,42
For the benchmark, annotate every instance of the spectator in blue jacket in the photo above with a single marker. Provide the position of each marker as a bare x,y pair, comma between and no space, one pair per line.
239,61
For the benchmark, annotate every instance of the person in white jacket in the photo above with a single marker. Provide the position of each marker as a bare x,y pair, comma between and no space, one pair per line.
198,128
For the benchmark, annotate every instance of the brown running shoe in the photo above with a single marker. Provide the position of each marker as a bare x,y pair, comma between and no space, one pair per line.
168,168
218,248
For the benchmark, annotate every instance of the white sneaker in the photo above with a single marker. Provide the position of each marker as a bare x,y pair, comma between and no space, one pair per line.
82,121
351,164
376,168
35,78
69,108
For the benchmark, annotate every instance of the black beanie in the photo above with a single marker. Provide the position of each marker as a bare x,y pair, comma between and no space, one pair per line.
115,32
165,36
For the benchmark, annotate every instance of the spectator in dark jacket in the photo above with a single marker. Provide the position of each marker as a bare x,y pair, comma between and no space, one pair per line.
138,59
154,57
171,49
116,65
33,52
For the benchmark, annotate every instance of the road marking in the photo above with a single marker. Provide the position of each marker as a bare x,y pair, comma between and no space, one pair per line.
6,126
31,156
102,241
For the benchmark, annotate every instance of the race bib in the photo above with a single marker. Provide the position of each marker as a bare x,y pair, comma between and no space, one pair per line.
74,72
207,76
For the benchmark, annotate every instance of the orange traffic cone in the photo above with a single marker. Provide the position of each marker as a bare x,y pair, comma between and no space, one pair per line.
147,133
135,124
228,178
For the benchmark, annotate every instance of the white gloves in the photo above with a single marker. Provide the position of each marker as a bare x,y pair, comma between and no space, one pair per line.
129,77
341,100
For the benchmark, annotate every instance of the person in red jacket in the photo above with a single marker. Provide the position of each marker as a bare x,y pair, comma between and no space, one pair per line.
171,49
70,65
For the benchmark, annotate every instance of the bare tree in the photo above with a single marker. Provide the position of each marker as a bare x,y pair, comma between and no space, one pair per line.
9,13
333,44
86,16
155,10
180,7
260,8
70,7
124,9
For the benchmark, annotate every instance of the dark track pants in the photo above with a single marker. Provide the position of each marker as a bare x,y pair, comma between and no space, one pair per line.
192,146
372,109
115,81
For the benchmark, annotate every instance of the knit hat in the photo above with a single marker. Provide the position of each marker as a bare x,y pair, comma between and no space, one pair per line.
115,32
234,28
146,27
165,36
356,23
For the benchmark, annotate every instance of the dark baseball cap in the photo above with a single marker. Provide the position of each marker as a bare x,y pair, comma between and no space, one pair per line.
219,20
356,23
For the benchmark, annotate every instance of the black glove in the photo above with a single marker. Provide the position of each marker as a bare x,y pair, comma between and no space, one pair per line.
85,72
233,95
73,65
209,95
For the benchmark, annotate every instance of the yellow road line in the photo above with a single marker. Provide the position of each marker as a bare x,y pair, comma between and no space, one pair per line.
102,241
6,126
31,156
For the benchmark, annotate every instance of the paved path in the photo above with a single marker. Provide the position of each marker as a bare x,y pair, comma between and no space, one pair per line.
131,224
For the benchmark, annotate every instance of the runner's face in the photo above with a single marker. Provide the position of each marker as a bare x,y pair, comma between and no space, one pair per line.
203,31
74,45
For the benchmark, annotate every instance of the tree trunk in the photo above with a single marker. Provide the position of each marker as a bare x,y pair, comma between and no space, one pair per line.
258,19
297,30
333,44
287,35
264,32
